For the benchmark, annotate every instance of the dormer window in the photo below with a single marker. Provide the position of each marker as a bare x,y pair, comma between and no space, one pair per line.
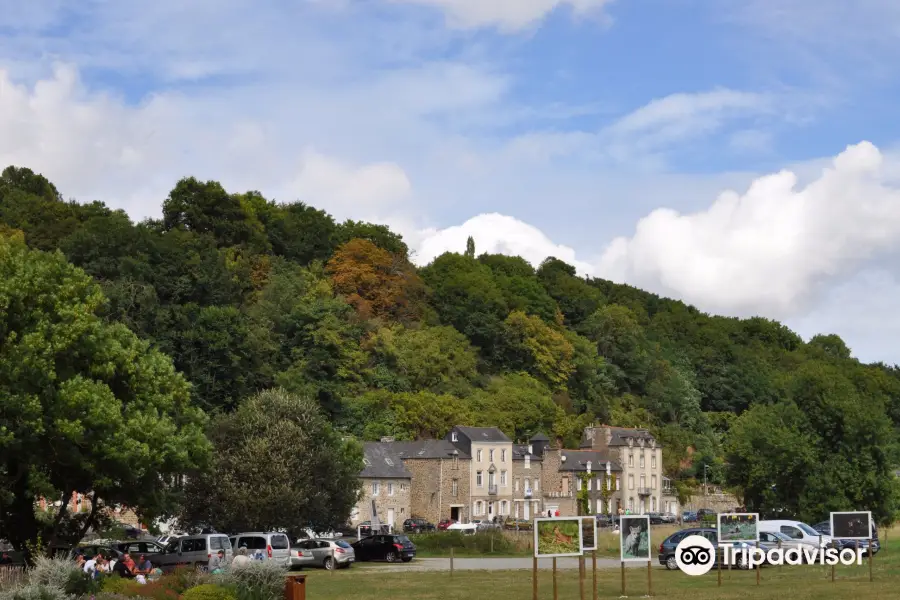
389,462
367,462
631,441
454,437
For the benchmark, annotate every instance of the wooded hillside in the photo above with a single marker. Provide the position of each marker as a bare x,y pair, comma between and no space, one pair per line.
246,294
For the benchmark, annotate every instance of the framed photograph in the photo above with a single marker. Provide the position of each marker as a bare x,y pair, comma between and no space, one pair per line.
634,538
558,536
851,525
738,527
588,533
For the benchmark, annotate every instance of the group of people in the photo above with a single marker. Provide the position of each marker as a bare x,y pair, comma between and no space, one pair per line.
126,567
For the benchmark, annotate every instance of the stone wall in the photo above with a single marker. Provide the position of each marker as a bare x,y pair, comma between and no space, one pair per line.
718,502
431,496
399,501
553,491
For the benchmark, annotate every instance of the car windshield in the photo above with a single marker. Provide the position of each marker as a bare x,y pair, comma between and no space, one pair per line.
402,539
779,536
807,529
342,544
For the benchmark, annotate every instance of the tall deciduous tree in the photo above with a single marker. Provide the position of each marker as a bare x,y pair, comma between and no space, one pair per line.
85,406
278,464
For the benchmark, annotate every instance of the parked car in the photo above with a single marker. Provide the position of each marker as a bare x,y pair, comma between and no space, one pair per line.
669,517
390,548
825,528
92,550
192,550
488,526
464,528
445,523
136,549
417,525
668,545
301,556
784,541
517,524
797,530
365,529
165,540
273,545
689,516
327,553
655,518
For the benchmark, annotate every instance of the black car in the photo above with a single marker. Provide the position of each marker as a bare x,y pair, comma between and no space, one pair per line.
825,529
667,547
390,548
656,518
416,525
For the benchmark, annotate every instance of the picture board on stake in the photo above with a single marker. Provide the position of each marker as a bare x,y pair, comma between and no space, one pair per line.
558,536
588,533
851,525
634,538
738,527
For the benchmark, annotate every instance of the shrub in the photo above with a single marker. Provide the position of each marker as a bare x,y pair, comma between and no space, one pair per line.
185,578
259,580
53,572
209,591
81,584
116,585
34,591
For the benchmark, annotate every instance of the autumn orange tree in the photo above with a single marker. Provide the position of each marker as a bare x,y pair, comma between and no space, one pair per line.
377,283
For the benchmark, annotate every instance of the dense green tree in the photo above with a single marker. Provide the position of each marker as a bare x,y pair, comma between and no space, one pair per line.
85,406
278,465
379,235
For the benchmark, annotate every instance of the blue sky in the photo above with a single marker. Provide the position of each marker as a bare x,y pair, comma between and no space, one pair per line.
604,132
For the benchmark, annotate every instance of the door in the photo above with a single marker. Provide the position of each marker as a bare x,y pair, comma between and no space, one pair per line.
390,518
454,513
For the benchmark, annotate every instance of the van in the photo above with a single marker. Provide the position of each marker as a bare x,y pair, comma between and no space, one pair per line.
799,531
192,550
274,546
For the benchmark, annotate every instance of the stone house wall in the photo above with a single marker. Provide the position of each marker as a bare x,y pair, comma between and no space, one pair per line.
399,501
431,496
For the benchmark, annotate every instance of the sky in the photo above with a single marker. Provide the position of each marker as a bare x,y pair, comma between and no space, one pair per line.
739,155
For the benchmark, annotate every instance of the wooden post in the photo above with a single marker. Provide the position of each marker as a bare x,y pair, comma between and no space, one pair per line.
581,576
534,594
719,565
492,544
871,556
594,567
451,561
623,577
649,578
555,591
758,567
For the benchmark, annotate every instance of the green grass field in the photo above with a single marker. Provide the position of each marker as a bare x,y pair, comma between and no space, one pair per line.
794,583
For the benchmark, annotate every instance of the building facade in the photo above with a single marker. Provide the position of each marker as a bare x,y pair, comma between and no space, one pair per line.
491,458
386,489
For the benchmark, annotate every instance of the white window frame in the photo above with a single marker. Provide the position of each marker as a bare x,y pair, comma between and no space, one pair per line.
642,460
390,487
478,455
503,455
527,461
503,478
375,488
631,482
491,455
479,479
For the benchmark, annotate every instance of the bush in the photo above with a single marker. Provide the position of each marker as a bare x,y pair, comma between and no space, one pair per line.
480,543
81,584
209,591
34,591
259,580
116,585
53,572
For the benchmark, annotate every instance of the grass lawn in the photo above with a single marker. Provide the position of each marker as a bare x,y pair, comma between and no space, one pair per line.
794,583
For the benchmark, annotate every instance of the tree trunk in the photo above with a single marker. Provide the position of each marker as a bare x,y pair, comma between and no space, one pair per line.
95,505
60,515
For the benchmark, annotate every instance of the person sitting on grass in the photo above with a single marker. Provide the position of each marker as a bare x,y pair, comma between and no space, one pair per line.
216,562
121,568
143,567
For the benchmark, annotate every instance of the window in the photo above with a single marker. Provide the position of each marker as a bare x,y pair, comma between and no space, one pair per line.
589,484
527,484
491,455
454,437
454,487
374,488
653,461
367,462
479,478
653,482
280,542
578,484
527,461
389,462
492,479
599,506
617,484
653,504
631,460
478,508
253,543
503,456
631,482
503,509
390,489
642,460
643,481
503,478
478,456
537,484
516,484
631,504
456,462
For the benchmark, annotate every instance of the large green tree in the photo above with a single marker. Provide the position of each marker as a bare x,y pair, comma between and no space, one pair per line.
278,465
85,406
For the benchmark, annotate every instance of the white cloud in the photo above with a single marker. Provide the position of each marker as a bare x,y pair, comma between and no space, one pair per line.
770,250
507,15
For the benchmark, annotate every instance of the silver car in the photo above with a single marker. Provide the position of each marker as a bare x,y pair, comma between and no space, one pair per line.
301,556
329,554
274,546
193,551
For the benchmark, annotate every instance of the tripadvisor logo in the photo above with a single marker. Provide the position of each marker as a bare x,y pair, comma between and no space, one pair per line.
696,555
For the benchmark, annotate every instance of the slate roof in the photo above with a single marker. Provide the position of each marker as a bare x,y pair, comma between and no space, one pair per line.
576,460
620,435
539,437
520,450
383,462
483,434
427,449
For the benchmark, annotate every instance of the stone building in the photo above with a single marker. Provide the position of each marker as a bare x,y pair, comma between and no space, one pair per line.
386,486
640,457
441,477
527,475
491,457
590,471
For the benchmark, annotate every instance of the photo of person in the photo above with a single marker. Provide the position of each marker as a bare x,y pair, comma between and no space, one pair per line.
738,527
557,536
589,533
851,525
634,538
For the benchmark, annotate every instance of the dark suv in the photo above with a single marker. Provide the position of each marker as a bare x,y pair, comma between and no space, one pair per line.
416,525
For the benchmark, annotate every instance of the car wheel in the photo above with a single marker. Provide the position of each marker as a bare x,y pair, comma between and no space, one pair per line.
390,557
329,563
407,559
671,563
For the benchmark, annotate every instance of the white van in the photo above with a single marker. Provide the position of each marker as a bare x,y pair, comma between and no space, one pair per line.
274,546
799,531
